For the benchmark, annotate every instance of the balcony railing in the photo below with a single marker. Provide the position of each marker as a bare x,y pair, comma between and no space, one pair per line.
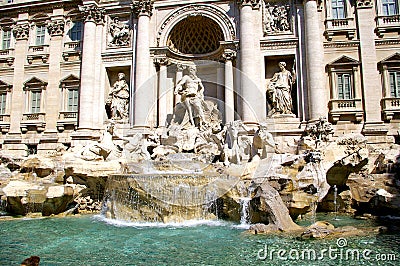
346,108
73,49
38,52
67,118
7,56
36,120
5,123
72,46
387,23
4,118
390,106
344,26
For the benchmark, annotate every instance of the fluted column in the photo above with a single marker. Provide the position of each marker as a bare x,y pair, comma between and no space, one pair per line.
92,16
162,90
144,96
228,57
251,91
317,94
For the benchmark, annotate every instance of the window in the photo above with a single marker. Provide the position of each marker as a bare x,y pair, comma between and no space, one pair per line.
344,86
394,81
75,32
72,104
35,101
390,7
3,101
6,40
40,34
338,9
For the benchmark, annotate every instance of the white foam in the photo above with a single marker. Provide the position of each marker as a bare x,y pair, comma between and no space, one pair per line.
188,223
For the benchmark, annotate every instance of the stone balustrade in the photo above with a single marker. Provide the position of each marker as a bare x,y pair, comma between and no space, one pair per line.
346,108
390,107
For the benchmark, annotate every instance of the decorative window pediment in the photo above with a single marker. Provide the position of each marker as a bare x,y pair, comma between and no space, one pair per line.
35,83
5,86
344,61
70,81
393,60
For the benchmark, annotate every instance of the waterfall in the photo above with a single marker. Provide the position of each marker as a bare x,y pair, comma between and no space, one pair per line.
244,211
164,197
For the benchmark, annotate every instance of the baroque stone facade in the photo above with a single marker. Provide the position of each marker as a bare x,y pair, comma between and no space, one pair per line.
61,60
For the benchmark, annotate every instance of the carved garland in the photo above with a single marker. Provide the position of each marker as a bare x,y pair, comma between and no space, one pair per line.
196,10
93,13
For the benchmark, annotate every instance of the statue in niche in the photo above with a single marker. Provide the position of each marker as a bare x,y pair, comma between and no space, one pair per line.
118,99
279,91
119,32
191,90
276,18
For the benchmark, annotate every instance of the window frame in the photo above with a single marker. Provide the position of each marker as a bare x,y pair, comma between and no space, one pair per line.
40,36
349,95
336,7
394,88
386,3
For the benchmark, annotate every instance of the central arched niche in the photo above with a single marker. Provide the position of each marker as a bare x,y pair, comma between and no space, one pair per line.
195,35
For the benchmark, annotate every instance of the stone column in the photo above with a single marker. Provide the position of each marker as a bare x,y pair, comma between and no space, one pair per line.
251,90
92,15
144,96
228,57
162,90
317,93
370,78
98,95
53,91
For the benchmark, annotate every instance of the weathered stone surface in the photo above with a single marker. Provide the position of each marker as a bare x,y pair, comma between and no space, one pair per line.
270,209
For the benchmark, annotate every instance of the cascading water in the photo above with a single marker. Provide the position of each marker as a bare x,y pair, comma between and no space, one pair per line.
244,211
164,197
335,200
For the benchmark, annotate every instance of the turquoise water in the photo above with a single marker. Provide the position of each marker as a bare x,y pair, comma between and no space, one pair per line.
91,240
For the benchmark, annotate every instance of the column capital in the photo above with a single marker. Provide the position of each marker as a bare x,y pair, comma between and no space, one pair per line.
56,27
93,13
228,55
255,4
143,7
161,61
21,31
364,3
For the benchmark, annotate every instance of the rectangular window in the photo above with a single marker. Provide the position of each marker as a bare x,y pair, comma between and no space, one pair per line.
35,101
40,34
72,100
3,101
345,91
75,32
394,80
338,9
6,40
390,7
